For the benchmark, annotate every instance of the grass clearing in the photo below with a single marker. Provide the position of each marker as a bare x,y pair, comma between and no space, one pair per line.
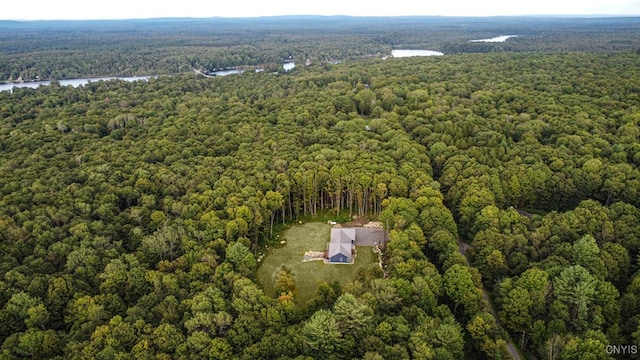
302,238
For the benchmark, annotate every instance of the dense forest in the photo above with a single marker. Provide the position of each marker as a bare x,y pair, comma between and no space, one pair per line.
131,212
73,49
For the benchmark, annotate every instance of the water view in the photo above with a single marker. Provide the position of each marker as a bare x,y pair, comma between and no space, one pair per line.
410,53
501,38
72,82
286,66
226,72
83,81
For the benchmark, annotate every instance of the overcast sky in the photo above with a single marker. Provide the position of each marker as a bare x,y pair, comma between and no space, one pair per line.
119,9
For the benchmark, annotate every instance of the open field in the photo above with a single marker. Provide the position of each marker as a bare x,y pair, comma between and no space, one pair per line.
302,238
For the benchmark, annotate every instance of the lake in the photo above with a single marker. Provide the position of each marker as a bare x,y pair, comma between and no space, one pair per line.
410,53
83,81
225,72
287,66
501,38
72,82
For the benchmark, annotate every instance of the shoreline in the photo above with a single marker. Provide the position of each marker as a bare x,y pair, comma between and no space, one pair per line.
89,78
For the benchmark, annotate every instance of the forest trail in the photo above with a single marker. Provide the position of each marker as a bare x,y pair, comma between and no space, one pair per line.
524,213
513,349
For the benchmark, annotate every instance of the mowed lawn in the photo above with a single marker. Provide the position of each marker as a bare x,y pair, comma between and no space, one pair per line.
300,239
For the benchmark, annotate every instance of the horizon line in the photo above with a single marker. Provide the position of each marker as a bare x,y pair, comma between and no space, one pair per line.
337,16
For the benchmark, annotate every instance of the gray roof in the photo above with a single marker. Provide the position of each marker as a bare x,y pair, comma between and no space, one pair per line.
343,235
336,248
341,241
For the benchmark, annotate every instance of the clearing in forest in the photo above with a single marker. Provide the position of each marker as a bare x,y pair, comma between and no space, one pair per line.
300,239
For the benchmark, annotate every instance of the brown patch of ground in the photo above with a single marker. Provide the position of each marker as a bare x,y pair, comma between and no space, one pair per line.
356,222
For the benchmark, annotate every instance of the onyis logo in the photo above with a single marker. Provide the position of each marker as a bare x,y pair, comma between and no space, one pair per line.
621,349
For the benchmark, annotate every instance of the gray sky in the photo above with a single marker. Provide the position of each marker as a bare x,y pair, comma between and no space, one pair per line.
119,9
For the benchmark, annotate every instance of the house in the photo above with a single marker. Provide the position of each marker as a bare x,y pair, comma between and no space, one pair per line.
342,245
